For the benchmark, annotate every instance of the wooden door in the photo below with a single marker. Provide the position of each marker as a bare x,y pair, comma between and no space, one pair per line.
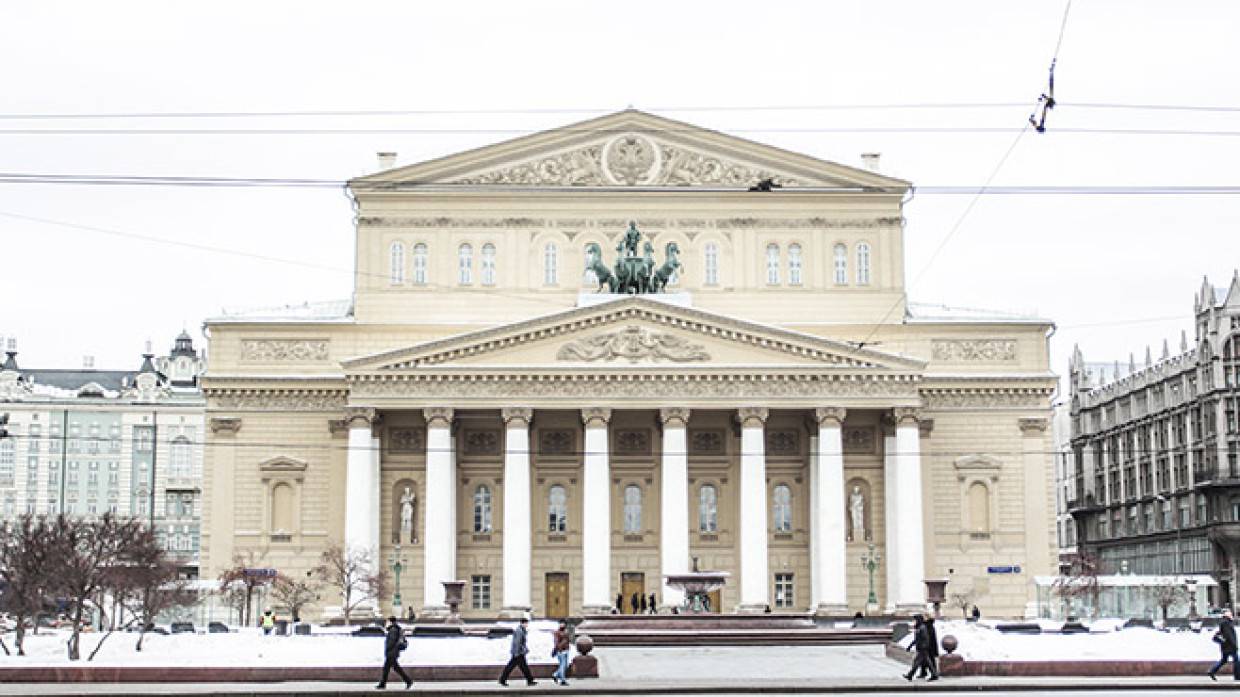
716,600
630,583
557,595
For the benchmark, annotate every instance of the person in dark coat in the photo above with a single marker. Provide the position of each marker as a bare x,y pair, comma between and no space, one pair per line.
932,655
1225,637
633,603
393,644
620,603
977,614
654,605
921,643
642,604
518,649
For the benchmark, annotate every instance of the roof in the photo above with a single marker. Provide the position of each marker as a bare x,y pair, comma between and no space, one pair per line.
73,380
322,311
934,312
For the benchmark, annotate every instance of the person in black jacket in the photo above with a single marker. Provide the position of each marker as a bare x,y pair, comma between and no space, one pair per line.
393,644
518,649
921,643
932,653
633,603
1226,640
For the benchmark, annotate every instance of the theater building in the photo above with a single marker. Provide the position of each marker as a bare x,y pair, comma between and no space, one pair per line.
525,393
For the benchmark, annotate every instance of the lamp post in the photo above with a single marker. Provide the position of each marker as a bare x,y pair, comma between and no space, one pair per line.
397,562
869,562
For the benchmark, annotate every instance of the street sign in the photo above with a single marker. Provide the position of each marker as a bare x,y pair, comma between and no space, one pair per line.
259,573
1003,569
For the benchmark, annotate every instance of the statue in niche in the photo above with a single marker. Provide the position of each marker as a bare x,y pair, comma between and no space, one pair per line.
856,513
407,501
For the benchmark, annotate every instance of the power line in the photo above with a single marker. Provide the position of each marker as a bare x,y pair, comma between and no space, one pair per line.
923,130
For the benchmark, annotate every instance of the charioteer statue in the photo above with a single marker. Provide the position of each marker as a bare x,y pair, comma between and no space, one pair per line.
634,272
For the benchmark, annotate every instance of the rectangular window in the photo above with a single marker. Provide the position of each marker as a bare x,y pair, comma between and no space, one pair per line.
480,592
143,438
783,590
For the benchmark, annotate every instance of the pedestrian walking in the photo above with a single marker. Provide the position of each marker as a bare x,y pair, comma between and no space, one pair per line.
633,603
643,604
559,651
1225,637
654,605
921,643
393,644
268,622
932,654
518,649
977,614
620,603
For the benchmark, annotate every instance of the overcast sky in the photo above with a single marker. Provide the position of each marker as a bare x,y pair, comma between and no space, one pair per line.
1114,272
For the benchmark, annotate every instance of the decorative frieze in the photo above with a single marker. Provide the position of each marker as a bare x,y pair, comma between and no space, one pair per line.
284,350
442,222
228,425
277,400
706,441
631,441
406,440
859,440
973,350
783,442
807,223
556,441
481,442
986,398
633,343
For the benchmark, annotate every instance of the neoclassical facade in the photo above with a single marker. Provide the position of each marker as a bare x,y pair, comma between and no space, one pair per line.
481,410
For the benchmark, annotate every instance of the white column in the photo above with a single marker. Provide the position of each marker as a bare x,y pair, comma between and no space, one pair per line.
360,485
376,494
516,511
910,548
891,521
815,578
439,564
755,595
596,514
674,501
830,553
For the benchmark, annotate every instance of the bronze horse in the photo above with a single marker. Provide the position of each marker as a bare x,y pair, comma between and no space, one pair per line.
601,272
665,272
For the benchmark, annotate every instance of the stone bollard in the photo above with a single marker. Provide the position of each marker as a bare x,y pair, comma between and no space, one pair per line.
584,665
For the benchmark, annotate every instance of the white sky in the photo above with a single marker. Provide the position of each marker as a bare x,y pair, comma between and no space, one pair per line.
1130,262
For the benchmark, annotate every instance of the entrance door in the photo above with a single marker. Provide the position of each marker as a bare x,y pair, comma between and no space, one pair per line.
632,583
557,595
716,600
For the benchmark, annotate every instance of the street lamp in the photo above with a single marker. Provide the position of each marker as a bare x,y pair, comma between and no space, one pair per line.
397,563
869,562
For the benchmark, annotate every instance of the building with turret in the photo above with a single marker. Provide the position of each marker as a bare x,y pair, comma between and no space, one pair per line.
88,441
1155,481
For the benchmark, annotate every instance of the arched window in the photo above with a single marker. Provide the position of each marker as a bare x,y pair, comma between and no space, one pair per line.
708,509
419,264
979,507
550,264
841,264
782,508
710,264
794,264
488,264
557,507
772,264
482,509
465,264
863,264
182,457
589,278
282,508
396,275
632,509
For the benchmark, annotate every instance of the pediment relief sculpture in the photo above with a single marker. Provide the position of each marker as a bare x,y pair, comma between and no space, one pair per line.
631,159
281,463
633,343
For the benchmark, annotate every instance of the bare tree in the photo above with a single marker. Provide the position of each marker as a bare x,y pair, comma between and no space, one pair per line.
350,570
1167,593
26,567
241,575
1081,582
154,590
94,556
963,600
295,593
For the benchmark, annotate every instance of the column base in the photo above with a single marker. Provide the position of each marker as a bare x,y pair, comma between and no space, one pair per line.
515,612
832,610
596,609
751,609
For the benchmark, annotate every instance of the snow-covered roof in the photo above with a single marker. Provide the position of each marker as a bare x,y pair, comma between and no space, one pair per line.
935,312
322,311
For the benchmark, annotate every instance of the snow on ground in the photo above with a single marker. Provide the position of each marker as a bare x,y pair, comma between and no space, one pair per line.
981,642
249,647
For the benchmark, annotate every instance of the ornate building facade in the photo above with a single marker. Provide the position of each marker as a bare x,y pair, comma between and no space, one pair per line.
89,441
1154,453
488,410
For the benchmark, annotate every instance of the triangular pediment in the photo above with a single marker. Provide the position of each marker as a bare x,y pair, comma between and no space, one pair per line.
633,332
630,149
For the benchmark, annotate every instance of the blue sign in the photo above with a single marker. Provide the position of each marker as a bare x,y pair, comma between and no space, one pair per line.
1003,569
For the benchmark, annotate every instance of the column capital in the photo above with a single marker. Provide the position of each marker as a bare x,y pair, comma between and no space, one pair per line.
906,416
752,416
359,417
830,416
227,425
1034,427
438,414
674,416
517,416
595,416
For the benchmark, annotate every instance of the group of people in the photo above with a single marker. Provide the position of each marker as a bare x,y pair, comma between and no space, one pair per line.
637,604
925,645
395,642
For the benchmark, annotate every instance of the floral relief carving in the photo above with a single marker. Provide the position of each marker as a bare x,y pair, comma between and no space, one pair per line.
279,400
481,442
284,350
783,442
633,442
557,441
986,399
706,442
406,440
980,350
632,343
859,440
